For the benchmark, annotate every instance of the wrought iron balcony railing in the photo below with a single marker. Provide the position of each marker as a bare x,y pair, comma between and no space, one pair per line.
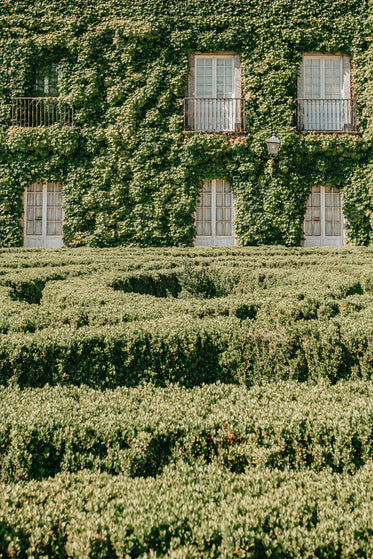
214,115
41,111
326,115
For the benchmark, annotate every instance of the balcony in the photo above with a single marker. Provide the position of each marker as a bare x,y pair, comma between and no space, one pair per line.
214,115
327,115
41,111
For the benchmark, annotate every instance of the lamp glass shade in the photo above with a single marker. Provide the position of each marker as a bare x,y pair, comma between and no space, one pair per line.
273,144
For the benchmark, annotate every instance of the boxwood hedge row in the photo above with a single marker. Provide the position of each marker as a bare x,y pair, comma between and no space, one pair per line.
190,512
190,351
117,438
140,431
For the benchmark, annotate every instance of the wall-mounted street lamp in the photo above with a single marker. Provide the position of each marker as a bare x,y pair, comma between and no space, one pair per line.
273,144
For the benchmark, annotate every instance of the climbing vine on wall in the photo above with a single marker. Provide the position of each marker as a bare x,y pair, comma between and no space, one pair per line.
131,175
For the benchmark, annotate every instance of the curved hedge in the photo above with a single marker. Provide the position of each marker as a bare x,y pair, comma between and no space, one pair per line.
168,462
234,315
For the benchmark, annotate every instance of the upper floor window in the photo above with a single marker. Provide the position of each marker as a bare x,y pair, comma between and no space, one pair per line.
45,107
324,94
214,100
214,77
46,81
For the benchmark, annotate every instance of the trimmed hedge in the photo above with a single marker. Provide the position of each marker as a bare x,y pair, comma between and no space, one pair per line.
163,351
190,513
190,351
120,317
153,469
140,431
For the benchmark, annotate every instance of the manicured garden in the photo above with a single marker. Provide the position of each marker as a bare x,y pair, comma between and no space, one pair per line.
186,403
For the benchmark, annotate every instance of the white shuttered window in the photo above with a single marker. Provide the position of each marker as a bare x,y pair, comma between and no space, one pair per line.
214,90
324,93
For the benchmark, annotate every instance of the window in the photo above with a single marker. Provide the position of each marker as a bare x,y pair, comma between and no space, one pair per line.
214,214
44,107
323,222
214,77
43,215
214,101
324,102
46,81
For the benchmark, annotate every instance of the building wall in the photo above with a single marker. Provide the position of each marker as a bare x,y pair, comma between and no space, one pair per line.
131,174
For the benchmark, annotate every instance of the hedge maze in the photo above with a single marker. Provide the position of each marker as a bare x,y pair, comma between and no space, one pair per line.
186,403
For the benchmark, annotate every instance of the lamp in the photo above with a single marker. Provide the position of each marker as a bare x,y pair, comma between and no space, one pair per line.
273,144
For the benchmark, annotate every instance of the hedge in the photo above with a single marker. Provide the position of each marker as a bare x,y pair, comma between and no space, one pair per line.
142,430
181,350
190,512
152,406
189,350
237,315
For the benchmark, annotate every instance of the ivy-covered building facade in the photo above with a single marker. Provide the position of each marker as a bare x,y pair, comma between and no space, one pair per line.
145,123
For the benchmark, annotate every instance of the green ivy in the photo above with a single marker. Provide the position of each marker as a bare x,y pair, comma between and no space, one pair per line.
131,175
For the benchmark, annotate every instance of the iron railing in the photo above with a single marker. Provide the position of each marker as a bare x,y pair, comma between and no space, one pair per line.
326,115
41,111
214,115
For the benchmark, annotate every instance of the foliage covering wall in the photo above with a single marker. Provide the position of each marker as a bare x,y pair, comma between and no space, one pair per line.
131,174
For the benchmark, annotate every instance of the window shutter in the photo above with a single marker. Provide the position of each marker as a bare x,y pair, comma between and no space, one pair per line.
191,76
300,80
237,77
346,87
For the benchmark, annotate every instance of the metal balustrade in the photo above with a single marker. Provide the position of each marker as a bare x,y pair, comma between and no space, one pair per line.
326,115
41,111
214,115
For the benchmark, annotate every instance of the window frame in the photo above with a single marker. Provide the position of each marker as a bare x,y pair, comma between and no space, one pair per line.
214,239
216,113
323,58
46,80
324,240
43,239
326,114
214,59
190,88
346,72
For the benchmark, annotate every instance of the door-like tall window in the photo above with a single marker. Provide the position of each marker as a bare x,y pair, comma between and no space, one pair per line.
323,77
214,102
324,102
214,92
323,222
214,214
44,107
43,215
214,77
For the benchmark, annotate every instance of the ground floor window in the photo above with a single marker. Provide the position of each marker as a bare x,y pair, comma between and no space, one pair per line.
323,222
214,214
43,215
